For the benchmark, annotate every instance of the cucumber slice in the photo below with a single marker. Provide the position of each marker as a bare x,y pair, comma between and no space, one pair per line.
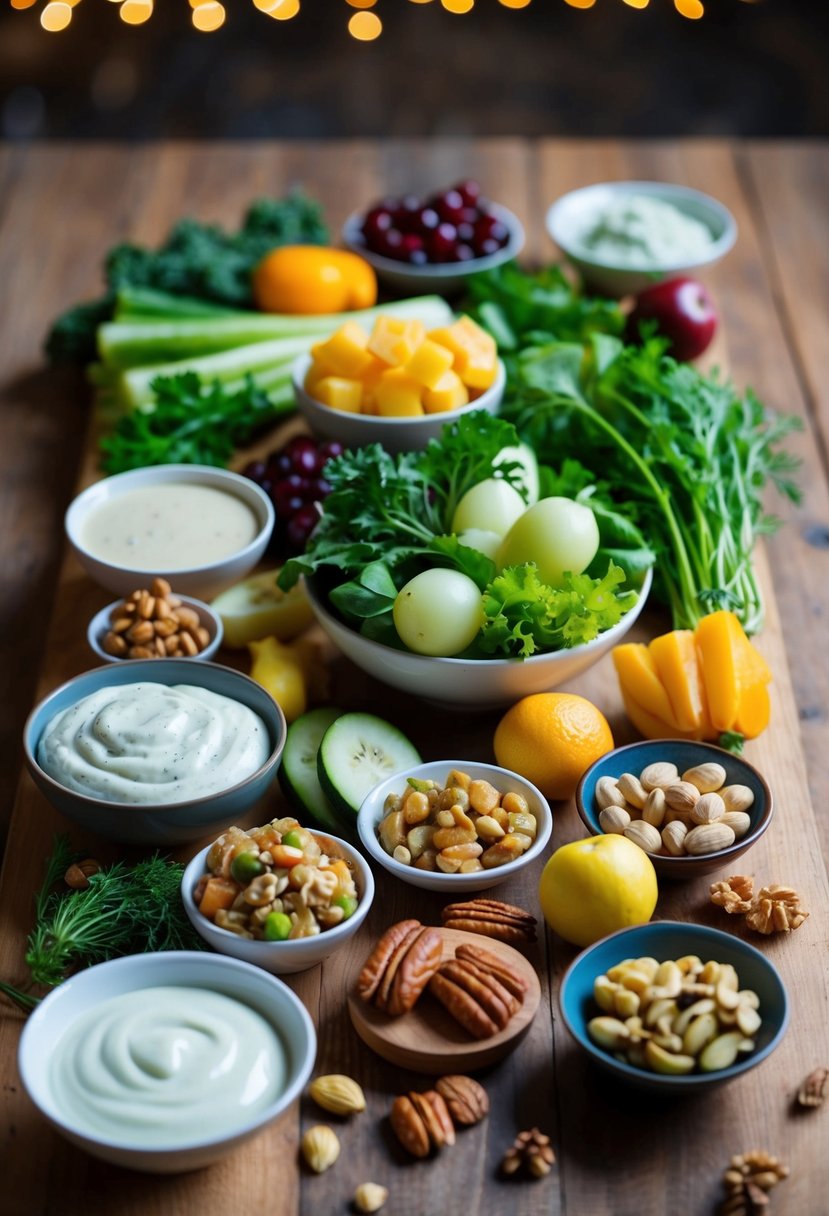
298,778
356,752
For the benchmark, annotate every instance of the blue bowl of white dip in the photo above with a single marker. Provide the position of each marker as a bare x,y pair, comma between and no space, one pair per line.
155,753
166,1062
625,236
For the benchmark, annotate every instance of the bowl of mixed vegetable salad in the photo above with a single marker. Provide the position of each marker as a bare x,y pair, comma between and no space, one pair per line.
458,574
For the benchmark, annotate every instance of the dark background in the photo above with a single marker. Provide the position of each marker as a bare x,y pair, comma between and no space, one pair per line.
757,69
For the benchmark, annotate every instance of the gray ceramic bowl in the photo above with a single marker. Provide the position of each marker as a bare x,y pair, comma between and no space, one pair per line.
282,958
205,581
445,278
570,216
453,886
664,940
86,990
212,622
685,754
395,434
167,823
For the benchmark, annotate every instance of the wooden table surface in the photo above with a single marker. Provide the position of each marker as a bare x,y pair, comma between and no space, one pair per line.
619,1153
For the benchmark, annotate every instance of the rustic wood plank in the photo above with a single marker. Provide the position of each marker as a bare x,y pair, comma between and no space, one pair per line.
789,186
603,1168
652,1172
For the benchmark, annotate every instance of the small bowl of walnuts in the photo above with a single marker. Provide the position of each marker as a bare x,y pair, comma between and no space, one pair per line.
692,807
453,825
153,623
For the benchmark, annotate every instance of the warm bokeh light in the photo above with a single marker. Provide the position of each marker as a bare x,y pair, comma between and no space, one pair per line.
515,3
420,1
136,12
361,3
209,16
580,3
283,10
457,6
56,16
365,27
23,3
637,3
692,9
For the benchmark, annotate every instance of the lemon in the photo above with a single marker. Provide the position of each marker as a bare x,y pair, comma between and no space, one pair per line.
257,608
593,887
552,738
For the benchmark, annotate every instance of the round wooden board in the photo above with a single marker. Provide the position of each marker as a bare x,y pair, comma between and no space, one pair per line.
428,1039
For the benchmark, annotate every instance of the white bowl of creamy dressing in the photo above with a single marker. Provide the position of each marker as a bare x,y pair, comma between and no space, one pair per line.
155,753
166,1062
201,528
625,236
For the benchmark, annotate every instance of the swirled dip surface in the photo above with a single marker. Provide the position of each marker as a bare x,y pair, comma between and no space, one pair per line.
153,743
167,527
166,1066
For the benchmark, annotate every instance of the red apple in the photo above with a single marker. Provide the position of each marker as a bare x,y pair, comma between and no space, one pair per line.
683,311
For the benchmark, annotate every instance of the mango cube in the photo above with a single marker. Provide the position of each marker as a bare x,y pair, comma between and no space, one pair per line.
394,340
450,393
429,363
475,357
340,394
344,353
397,395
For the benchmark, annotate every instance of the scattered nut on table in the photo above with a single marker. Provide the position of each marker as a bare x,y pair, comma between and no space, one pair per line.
338,1094
810,1094
370,1197
320,1147
747,1181
532,1151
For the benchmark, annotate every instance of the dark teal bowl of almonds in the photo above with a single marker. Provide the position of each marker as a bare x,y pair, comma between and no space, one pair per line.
684,755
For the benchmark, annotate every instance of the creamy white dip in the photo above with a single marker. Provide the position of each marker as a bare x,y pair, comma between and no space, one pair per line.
153,743
166,1067
638,230
168,527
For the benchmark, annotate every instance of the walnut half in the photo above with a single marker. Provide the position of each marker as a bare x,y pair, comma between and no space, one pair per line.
734,893
776,910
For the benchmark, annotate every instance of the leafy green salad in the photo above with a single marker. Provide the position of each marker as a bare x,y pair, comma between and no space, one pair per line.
450,550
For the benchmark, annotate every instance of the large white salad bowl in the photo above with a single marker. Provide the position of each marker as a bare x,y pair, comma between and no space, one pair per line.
482,683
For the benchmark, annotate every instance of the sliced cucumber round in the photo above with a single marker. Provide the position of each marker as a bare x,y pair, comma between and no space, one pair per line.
298,778
357,752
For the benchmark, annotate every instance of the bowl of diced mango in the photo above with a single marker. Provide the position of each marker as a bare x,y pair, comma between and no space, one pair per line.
399,384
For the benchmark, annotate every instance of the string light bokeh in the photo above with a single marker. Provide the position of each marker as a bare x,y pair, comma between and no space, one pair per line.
364,25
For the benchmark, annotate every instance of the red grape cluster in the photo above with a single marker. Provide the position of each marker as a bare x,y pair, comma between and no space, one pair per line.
453,226
292,477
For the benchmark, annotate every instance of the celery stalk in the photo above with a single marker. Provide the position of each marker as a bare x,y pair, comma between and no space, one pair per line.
140,341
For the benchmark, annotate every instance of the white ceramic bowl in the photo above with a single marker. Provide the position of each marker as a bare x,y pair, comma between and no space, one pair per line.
371,813
445,278
482,683
395,434
571,215
283,958
86,990
203,581
212,622
169,822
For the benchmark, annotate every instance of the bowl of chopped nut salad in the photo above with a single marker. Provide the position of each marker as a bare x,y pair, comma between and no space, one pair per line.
279,896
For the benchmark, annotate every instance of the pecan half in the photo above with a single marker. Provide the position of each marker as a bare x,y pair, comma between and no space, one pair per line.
463,1007
416,968
375,965
811,1092
467,1100
408,1126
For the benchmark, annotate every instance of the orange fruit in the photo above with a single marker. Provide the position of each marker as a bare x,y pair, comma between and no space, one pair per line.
552,738
593,887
